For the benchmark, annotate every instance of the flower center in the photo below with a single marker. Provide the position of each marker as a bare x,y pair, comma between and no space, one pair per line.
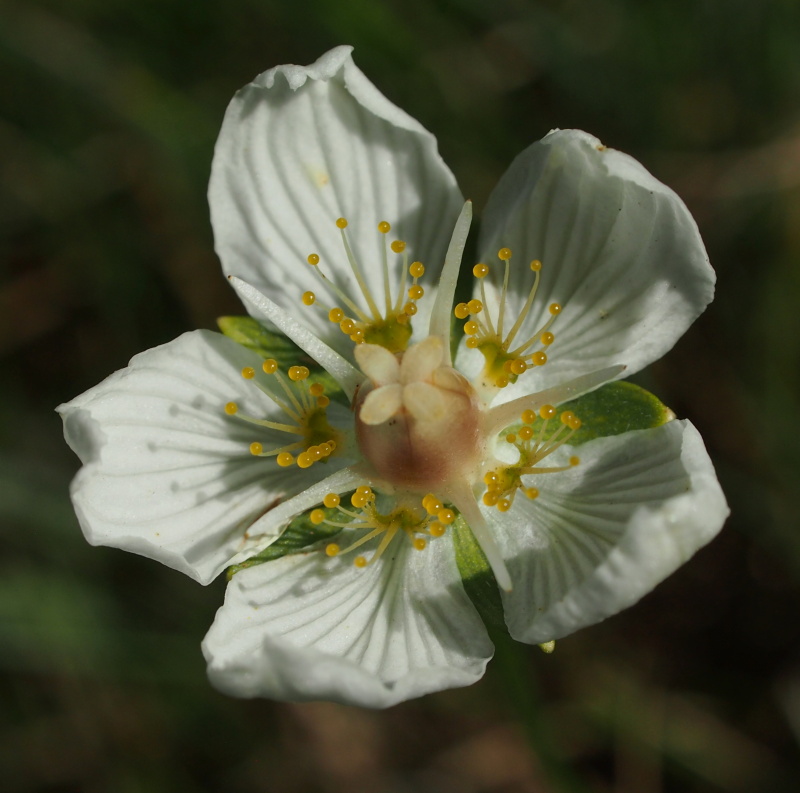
533,445
364,320
418,422
406,517
305,407
506,356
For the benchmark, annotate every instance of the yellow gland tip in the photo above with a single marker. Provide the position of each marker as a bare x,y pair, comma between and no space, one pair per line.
417,269
461,311
256,448
231,408
416,292
313,259
475,306
270,366
547,411
332,549
504,254
285,459
547,338
555,308
480,270
398,246
536,265
341,223
331,500
248,373
361,561
317,516
309,298
384,227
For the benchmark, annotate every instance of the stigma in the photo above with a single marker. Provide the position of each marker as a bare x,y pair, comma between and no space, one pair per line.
311,438
506,354
381,319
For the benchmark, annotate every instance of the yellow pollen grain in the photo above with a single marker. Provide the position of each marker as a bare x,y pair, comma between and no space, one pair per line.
285,459
231,408
248,373
316,516
384,227
341,223
270,366
547,411
332,549
504,254
417,269
313,259
398,246
256,448
331,500
461,311
480,270
309,298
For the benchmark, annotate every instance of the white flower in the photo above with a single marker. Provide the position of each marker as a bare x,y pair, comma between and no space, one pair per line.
326,201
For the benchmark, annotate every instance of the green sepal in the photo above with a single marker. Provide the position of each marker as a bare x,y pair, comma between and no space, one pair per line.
298,535
476,575
616,408
268,344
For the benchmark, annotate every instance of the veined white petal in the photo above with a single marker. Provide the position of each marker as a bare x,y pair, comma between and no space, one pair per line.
302,146
309,627
604,533
167,474
620,253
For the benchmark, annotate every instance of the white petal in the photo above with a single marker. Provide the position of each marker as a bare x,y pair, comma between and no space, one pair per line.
308,627
421,359
166,473
603,534
302,146
381,404
620,252
377,363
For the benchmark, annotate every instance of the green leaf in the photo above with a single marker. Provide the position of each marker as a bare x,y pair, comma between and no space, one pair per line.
268,344
299,534
479,581
616,408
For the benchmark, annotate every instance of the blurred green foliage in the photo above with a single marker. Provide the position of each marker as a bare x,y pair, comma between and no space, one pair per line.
108,115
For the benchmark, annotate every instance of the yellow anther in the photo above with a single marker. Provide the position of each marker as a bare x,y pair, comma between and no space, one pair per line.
331,500
555,308
332,444
364,490
426,499
472,342
398,246
347,326
332,549
547,411
248,373
256,448
341,223
525,433
539,358
518,366
434,506
501,381
336,315
309,298
315,452
446,516
503,505
305,460
480,270
416,292
531,492
536,265
361,561
575,423
317,516
504,254
417,269
490,477
511,437
528,417
325,448
574,461
566,417
475,306
315,389
419,543
547,338
285,459
313,259
298,373
270,366
231,408
436,529
410,309
323,401
471,327
358,501
461,311
384,227
490,498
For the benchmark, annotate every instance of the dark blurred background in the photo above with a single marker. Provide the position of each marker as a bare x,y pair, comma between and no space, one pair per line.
110,109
